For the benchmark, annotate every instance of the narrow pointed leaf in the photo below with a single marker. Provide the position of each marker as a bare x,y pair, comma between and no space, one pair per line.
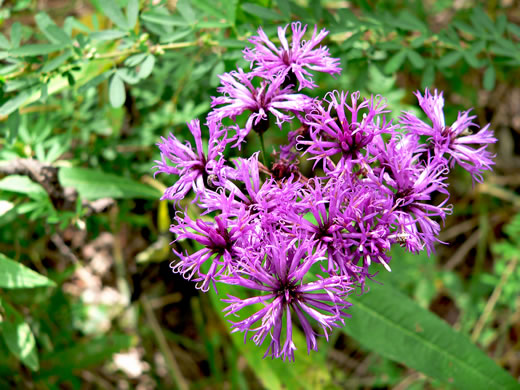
16,275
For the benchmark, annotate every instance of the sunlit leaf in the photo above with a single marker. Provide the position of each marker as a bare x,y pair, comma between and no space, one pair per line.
16,275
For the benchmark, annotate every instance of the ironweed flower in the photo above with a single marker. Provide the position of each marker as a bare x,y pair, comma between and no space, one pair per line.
456,140
239,95
191,166
277,275
292,61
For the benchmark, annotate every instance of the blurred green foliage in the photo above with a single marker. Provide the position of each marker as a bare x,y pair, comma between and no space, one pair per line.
87,299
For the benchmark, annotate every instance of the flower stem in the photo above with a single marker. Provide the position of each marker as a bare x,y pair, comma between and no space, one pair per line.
262,145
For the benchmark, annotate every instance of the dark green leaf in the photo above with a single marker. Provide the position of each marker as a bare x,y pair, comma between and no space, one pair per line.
95,81
113,12
36,49
146,68
514,29
107,35
92,184
116,91
480,19
18,337
489,78
261,12
16,275
501,24
394,63
13,124
284,7
465,28
56,62
165,20
403,331
132,11
471,59
416,59
449,59
86,354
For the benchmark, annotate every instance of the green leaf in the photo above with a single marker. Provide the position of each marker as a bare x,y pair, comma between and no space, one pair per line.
395,62
4,43
209,7
165,20
20,184
146,68
16,275
36,49
449,59
94,82
56,61
176,36
471,59
86,353
92,184
114,13
513,29
135,60
15,102
16,34
116,91
107,35
18,337
261,12
284,7
428,77
403,331
132,12
51,30
129,76
416,59
489,78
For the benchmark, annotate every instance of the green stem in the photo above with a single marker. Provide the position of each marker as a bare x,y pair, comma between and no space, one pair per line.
262,145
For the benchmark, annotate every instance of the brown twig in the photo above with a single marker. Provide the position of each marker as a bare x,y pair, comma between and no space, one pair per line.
63,198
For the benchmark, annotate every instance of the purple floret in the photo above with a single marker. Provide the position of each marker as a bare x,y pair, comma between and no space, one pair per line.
293,61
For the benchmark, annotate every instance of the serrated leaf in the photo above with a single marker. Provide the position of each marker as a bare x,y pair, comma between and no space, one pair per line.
416,59
113,12
261,12
449,59
92,184
36,49
489,78
132,12
403,331
165,20
116,91
18,337
107,35
394,63
146,68
16,275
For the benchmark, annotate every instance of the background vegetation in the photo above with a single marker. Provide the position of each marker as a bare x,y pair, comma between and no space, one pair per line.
87,298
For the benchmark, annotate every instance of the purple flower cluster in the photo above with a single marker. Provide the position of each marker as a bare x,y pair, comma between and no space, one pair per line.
299,238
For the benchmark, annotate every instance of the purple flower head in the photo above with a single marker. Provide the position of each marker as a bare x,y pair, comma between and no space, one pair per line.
345,129
239,95
411,184
456,140
293,61
191,166
277,277
221,241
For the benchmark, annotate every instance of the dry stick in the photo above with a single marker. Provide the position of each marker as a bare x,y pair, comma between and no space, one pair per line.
490,305
173,367
464,249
